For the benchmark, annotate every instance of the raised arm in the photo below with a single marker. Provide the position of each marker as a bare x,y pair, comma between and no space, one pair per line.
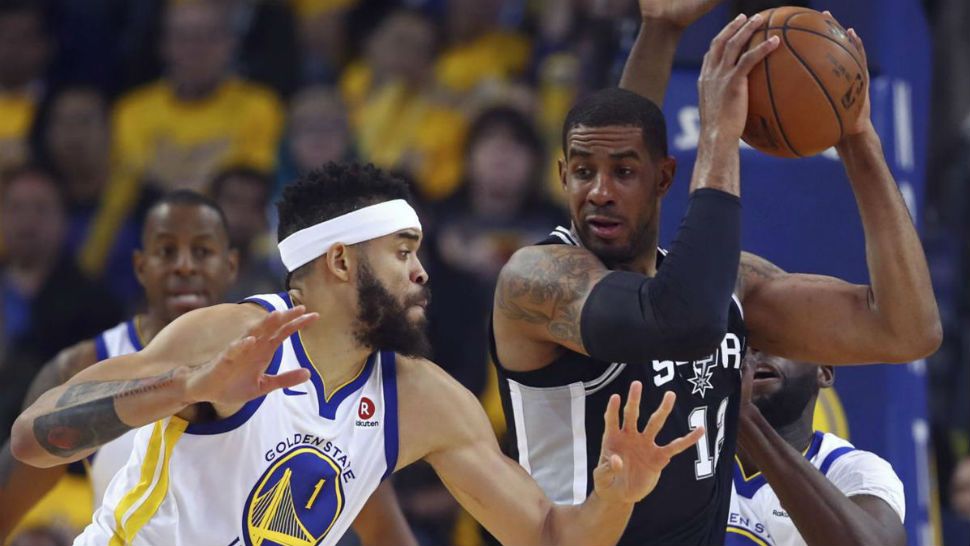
822,319
647,68
505,499
821,512
193,360
556,296
22,486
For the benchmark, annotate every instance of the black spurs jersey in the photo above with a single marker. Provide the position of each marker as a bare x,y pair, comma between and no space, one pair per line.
555,423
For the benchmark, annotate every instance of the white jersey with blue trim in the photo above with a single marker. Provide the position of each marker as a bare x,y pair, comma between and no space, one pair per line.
757,517
107,461
291,468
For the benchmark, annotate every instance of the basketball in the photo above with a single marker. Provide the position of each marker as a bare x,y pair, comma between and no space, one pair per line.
803,93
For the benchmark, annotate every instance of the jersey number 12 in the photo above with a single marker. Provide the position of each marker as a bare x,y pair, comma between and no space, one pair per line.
705,464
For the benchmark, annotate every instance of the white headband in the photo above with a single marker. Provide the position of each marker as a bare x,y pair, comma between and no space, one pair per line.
361,225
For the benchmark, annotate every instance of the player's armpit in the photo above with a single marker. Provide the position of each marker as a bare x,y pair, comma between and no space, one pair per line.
381,522
821,319
541,292
886,520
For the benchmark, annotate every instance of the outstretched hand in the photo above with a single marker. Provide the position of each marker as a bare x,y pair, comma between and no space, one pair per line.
679,13
238,374
630,459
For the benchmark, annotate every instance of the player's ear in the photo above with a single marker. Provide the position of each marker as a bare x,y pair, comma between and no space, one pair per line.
233,260
668,167
562,172
338,261
138,261
826,377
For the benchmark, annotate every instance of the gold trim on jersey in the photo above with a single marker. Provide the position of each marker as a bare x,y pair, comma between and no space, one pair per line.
744,532
141,502
326,394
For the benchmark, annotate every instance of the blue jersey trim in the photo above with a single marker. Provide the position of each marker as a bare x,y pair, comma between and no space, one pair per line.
237,419
100,347
133,336
263,303
389,382
327,404
748,488
833,456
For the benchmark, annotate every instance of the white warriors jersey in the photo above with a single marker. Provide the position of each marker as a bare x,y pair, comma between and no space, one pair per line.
108,460
757,517
293,468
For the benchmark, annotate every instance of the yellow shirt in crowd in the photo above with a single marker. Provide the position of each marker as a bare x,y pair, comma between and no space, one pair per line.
178,144
16,116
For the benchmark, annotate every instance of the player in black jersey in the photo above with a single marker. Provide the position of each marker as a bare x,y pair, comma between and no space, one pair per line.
597,306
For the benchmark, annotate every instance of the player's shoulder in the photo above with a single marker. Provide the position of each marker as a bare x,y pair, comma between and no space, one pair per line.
555,260
838,455
422,377
435,409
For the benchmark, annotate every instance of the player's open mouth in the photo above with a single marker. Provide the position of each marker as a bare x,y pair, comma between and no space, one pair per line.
763,372
604,227
188,299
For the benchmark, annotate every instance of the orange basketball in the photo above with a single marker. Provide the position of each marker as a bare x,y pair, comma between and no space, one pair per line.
802,93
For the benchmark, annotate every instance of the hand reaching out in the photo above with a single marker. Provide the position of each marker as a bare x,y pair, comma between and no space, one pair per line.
630,459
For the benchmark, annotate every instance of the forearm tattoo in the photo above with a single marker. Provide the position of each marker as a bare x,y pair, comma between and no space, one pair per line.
85,415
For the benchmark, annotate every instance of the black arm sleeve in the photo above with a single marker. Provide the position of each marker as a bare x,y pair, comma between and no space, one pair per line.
682,313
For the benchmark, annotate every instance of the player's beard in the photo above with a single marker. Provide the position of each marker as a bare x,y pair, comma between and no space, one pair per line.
382,321
787,404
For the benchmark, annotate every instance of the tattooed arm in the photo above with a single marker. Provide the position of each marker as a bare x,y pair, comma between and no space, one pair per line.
539,301
21,485
193,360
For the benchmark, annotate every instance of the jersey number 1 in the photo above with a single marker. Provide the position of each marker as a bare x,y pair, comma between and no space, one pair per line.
705,464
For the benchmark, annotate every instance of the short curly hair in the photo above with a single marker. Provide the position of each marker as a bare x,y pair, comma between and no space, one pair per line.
333,190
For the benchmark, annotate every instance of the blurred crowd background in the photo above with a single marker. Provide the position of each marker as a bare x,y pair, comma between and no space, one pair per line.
107,104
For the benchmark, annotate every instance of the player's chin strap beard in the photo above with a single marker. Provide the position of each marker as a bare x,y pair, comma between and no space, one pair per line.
358,226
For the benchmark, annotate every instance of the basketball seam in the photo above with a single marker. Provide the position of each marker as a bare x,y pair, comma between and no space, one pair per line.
835,110
771,95
822,35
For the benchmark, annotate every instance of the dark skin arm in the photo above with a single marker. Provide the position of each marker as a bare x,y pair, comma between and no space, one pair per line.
814,318
647,68
381,522
820,511
22,486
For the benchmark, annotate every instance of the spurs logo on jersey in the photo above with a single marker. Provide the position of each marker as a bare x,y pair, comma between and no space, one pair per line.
284,470
727,356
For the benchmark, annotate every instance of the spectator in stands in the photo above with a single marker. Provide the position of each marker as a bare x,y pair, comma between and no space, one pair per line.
178,131
399,118
243,195
317,132
24,54
48,303
72,136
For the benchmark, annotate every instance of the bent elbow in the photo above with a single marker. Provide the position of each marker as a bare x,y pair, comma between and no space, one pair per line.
916,344
23,446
